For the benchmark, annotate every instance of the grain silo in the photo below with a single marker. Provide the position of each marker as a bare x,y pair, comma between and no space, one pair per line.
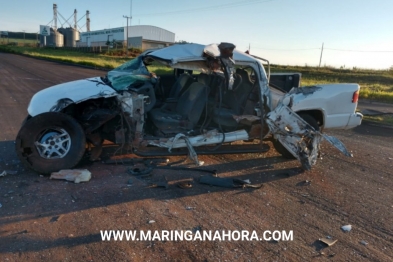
70,37
55,38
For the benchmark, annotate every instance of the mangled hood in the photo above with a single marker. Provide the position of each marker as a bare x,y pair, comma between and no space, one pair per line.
55,98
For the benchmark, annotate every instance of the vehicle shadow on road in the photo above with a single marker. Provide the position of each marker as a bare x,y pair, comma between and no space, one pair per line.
34,244
28,196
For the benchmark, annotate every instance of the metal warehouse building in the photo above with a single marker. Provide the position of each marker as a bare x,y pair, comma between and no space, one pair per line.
139,36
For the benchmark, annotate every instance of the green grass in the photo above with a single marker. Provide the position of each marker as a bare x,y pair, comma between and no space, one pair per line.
80,58
18,40
383,119
375,84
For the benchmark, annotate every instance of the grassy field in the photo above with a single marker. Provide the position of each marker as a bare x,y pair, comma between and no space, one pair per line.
80,58
18,40
375,84
385,119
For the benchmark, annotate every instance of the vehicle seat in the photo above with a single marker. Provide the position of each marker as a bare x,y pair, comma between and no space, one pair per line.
233,101
185,115
181,84
204,79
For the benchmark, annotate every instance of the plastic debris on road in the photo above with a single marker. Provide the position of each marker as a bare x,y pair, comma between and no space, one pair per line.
346,228
8,172
76,175
184,184
364,243
327,241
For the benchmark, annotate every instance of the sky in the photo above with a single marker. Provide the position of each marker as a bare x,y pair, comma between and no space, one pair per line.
355,33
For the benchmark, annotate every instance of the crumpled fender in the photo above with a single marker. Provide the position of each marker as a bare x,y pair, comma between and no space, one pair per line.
298,137
56,98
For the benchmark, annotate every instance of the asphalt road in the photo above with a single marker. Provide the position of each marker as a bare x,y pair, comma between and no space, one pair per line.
42,219
21,78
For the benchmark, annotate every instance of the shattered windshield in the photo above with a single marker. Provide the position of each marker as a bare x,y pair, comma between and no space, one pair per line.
131,73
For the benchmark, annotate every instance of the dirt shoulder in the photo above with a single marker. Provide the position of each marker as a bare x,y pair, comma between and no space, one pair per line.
58,220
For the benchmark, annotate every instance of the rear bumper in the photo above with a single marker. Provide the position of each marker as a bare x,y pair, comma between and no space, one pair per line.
354,120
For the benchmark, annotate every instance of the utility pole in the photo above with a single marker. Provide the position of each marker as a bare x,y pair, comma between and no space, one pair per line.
320,59
127,17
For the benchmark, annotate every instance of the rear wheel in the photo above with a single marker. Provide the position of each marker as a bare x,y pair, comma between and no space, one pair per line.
50,142
281,149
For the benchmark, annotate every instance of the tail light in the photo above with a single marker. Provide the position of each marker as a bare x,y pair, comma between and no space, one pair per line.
355,97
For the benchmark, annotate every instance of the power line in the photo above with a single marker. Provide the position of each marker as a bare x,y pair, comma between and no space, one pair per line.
233,4
300,49
363,51
325,48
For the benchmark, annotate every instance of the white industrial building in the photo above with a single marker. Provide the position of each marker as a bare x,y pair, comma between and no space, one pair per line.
139,36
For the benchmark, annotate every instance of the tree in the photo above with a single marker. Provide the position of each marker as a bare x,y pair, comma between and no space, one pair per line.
182,42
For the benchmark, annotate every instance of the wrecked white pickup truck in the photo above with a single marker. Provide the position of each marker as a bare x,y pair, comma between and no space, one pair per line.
216,100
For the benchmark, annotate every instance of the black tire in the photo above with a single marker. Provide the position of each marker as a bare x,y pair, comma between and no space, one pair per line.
281,149
28,117
50,130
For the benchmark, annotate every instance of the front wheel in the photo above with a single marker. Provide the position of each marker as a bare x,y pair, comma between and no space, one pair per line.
50,142
281,149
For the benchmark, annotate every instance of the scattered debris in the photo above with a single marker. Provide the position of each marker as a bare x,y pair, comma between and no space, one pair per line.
246,119
133,161
184,184
8,172
191,152
364,243
197,228
151,221
227,182
140,172
304,183
190,208
76,175
346,228
55,218
214,172
246,181
74,197
217,181
163,184
328,241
